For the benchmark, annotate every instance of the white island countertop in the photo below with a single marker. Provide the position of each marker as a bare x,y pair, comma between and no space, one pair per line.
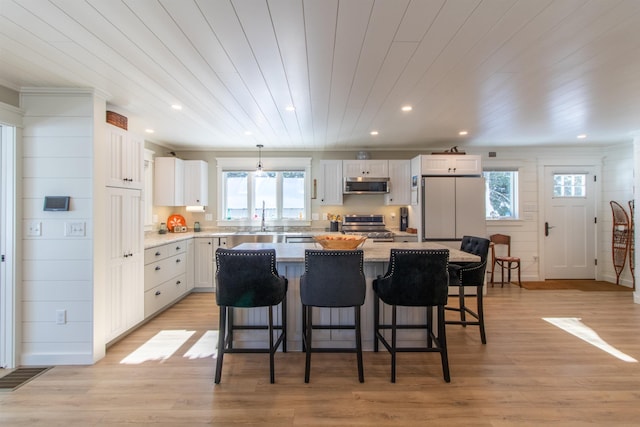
373,251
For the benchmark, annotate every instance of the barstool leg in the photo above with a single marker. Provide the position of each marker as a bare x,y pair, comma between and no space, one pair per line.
221,339
272,376
283,308
376,321
309,327
463,313
359,345
442,342
483,336
393,344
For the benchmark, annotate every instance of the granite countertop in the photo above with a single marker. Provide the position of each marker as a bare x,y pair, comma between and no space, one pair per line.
373,251
153,238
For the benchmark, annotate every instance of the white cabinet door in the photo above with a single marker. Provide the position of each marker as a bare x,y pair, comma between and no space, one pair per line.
125,278
126,159
168,182
451,164
400,185
203,262
191,265
330,182
196,183
372,168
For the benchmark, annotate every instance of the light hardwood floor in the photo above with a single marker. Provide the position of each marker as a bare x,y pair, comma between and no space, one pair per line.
530,373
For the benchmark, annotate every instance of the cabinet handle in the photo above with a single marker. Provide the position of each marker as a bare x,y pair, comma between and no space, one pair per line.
125,255
178,260
158,293
178,282
157,267
158,253
209,242
178,248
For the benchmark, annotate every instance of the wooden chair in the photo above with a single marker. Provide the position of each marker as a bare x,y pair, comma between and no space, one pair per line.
509,262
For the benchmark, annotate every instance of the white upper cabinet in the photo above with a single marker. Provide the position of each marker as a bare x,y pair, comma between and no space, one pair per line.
168,182
400,183
126,159
196,183
372,168
330,182
451,164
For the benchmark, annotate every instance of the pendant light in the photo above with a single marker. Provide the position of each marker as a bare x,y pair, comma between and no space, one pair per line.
259,170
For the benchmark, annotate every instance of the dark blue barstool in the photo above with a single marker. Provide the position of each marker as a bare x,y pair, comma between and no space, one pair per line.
332,279
249,279
415,278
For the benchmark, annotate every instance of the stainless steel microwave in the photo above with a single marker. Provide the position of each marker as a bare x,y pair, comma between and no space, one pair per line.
366,185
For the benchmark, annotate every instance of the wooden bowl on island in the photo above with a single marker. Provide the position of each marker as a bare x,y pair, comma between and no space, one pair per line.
340,241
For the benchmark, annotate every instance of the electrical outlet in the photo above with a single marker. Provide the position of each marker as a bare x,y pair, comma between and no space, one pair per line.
34,228
208,217
61,317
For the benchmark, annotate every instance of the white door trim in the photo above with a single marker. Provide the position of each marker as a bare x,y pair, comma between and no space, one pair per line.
8,299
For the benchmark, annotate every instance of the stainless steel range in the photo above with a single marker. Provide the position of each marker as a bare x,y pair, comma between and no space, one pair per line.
371,226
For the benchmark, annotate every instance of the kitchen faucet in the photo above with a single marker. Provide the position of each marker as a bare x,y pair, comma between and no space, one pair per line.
263,227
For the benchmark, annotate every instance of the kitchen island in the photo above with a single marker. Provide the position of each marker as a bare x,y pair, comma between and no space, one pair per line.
290,263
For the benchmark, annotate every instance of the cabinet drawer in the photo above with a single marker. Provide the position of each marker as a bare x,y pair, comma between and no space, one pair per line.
163,270
164,251
158,297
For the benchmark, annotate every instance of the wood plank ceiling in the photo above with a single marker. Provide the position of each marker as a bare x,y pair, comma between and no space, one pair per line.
509,72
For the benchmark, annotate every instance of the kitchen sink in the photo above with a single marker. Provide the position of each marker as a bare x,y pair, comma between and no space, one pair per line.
255,237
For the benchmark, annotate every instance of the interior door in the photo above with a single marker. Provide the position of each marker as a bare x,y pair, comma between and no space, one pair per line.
569,227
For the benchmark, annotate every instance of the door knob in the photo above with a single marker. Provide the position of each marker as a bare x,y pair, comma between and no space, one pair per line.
547,227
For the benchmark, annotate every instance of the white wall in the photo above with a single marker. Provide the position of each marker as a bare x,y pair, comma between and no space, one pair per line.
617,185
57,270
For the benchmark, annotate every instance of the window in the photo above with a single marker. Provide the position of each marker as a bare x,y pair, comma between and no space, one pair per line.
501,194
569,185
281,194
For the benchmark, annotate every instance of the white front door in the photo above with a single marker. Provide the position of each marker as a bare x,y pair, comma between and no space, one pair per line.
569,226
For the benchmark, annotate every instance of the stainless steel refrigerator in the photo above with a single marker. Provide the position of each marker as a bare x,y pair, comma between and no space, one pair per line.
452,207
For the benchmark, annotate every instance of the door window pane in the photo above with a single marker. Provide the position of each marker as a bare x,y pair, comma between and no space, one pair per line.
569,185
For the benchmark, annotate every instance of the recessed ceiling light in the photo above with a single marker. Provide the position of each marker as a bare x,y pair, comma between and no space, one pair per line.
176,106
582,136
290,108
247,132
149,130
407,108
463,133
374,132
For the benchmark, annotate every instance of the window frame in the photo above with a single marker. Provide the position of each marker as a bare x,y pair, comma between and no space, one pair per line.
274,164
517,214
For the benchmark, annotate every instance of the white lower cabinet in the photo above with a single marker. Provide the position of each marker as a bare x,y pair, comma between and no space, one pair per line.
205,260
165,276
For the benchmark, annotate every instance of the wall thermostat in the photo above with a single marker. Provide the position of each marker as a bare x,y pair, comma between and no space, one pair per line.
56,203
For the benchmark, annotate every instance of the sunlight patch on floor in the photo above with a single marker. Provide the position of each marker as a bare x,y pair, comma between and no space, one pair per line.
575,327
160,347
207,346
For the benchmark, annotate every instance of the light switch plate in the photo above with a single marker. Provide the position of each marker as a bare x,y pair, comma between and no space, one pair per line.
34,228
74,229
